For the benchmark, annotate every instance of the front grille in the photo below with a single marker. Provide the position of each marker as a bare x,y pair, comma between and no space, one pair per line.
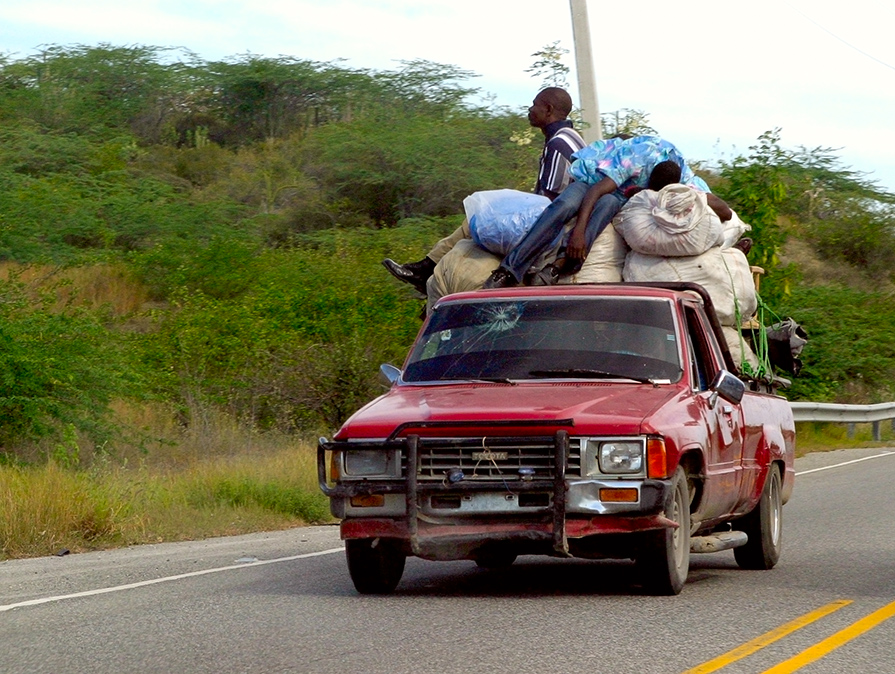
493,459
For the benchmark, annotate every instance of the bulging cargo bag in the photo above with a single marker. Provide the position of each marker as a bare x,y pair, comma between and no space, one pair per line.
466,266
676,221
724,273
498,219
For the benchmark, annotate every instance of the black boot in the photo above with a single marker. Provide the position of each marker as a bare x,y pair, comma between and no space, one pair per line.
500,278
414,273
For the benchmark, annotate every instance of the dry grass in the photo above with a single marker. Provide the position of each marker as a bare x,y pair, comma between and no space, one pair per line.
91,286
215,478
815,271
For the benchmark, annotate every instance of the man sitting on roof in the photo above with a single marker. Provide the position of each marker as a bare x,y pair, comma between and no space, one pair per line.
548,112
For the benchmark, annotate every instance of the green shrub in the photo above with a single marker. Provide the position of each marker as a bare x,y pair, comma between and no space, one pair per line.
58,370
850,355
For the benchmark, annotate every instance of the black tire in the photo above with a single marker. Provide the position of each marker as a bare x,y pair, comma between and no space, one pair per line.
764,527
665,558
495,559
375,564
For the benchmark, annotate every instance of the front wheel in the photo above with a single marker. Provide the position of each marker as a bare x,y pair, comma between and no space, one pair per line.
764,527
665,560
375,564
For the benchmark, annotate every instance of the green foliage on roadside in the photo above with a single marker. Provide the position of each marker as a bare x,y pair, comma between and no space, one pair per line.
394,168
852,345
59,370
847,218
300,345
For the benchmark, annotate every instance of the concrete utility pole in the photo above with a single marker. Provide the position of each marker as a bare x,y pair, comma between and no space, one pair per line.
584,65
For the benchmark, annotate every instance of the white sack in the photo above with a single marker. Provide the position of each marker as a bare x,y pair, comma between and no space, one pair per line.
466,266
733,230
605,261
673,222
724,273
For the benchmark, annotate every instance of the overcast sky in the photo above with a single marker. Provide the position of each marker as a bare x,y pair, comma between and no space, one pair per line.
711,75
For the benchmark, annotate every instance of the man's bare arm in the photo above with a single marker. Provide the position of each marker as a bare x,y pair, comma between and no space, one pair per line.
577,246
722,210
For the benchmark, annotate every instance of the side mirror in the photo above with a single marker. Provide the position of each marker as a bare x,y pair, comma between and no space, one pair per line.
728,386
389,374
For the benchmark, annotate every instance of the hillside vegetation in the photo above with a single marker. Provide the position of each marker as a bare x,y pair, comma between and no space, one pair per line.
187,246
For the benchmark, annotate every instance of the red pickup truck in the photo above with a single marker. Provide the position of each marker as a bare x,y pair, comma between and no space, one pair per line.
599,421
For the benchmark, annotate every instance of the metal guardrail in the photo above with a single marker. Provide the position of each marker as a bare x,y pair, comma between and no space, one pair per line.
847,414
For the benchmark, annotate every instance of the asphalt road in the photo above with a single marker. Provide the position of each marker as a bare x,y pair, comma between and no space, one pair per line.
283,602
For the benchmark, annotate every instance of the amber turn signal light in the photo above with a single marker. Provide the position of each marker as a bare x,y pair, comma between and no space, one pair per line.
656,460
618,495
368,501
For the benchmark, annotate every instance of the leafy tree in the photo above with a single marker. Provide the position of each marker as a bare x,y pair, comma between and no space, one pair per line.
424,88
94,89
548,66
626,121
416,165
265,98
755,187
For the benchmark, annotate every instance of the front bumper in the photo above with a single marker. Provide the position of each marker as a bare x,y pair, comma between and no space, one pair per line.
572,509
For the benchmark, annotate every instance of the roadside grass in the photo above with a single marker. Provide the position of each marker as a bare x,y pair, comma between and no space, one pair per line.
825,437
216,479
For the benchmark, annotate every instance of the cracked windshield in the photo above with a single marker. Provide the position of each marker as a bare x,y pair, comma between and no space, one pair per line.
548,338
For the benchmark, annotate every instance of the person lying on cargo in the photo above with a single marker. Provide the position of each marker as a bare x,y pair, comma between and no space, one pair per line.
549,112
603,172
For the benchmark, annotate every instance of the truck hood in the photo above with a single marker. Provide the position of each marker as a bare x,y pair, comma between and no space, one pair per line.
595,408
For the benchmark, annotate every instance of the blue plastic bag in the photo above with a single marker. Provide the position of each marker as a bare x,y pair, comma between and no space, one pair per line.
498,219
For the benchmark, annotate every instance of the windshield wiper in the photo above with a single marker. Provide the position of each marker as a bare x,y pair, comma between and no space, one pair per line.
485,380
586,373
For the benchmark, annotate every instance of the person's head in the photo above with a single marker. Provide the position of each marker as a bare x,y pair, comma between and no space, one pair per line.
550,105
663,174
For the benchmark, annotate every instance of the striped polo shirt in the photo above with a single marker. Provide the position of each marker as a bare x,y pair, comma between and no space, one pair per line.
561,141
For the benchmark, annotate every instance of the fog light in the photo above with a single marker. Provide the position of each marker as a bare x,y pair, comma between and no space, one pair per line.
618,495
368,501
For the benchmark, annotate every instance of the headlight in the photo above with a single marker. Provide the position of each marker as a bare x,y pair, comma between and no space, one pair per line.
370,463
620,458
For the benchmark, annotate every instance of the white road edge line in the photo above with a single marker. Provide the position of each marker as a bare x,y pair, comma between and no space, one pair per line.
846,463
155,581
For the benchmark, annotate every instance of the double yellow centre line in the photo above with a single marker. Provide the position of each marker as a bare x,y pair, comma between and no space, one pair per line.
807,656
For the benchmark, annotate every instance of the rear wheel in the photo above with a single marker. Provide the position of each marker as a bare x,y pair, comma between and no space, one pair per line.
665,560
764,526
375,564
